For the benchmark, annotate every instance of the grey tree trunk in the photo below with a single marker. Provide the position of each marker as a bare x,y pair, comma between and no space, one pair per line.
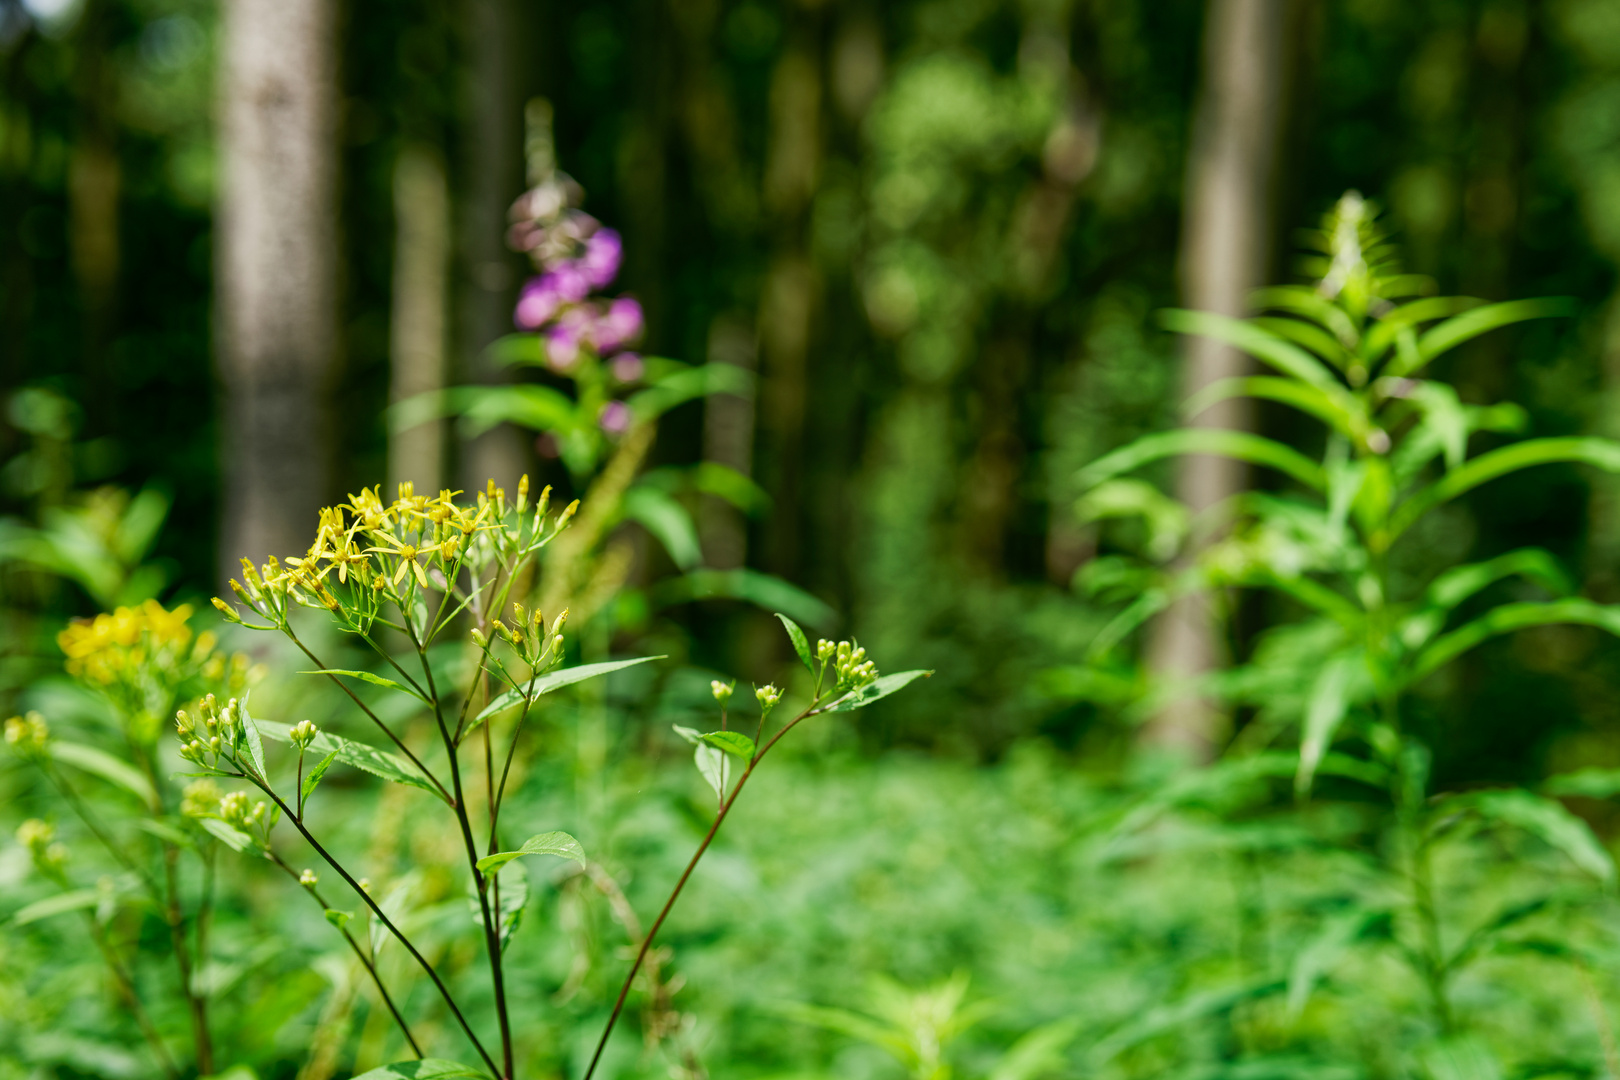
1226,237
417,333
277,257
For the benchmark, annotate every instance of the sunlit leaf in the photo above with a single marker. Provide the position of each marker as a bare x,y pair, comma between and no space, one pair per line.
426,1069
100,763
1329,700
250,735
1547,819
313,777
1481,320
559,844
373,679
369,759
670,523
882,688
337,918
60,904
555,680
1233,444
1510,617
732,742
1285,356
801,644
1603,453
229,835
1334,409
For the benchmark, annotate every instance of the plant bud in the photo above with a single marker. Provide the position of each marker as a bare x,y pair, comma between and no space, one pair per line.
308,879
722,692
523,493
226,610
767,697
479,639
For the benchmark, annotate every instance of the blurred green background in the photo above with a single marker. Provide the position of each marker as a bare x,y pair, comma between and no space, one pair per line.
938,230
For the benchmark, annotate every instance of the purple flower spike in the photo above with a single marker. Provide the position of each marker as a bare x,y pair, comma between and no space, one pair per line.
628,367
600,261
537,303
621,325
562,345
571,284
614,418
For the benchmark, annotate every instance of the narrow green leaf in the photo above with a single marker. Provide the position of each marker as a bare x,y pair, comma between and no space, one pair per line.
1481,320
686,383
374,680
1603,453
1038,1052
1317,959
559,844
1460,1057
801,644
250,732
313,777
885,685
1511,617
1586,783
165,832
369,759
1310,336
60,904
1334,409
1324,712
732,742
1233,444
750,586
1381,334
1548,820
100,763
229,835
426,1069
670,523
337,918
554,681
1285,356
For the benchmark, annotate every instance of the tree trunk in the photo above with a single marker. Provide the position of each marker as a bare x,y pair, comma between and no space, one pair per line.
421,254
277,329
1226,237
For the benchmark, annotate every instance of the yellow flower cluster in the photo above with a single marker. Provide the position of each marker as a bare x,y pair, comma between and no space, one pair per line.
414,541
109,648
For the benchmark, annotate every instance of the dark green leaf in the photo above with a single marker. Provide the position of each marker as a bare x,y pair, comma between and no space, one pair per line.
366,676
1603,453
879,690
1481,320
762,590
801,644
1548,820
337,918
1510,617
732,742
1587,783
670,523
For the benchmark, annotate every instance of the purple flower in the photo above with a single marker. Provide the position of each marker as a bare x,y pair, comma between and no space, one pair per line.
627,367
620,325
537,303
600,260
614,418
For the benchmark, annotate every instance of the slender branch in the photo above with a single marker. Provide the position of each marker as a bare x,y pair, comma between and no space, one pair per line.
506,769
434,780
365,897
708,838
359,954
126,985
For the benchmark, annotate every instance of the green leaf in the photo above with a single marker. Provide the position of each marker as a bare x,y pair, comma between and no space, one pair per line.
1586,783
250,733
60,904
1233,444
844,1022
313,777
426,1069
1334,409
556,680
165,832
369,759
1285,356
229,835
1326,346
1460,1057
1481,320
1321,953
393,905
1037,1052
751,586
732,742
102,764
1324,711
337,918
366,676
882,688
1603,453
559,844
1383,331
514,892
1511,617
686,383
801,644
670,523
1548,820
711,763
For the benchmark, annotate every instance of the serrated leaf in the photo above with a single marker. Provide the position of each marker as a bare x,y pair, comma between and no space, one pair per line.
250,732
554,681
801,644
313,777
337,918
559,844
374,680
426,1069
60,904
879,690
369,759
229,835
104,765
732,742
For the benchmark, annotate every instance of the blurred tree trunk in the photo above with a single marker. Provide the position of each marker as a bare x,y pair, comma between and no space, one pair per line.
277,251
494,175
421,255
1225,239
94,182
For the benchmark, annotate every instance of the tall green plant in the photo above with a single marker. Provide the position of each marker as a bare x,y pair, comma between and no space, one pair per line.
1340,540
